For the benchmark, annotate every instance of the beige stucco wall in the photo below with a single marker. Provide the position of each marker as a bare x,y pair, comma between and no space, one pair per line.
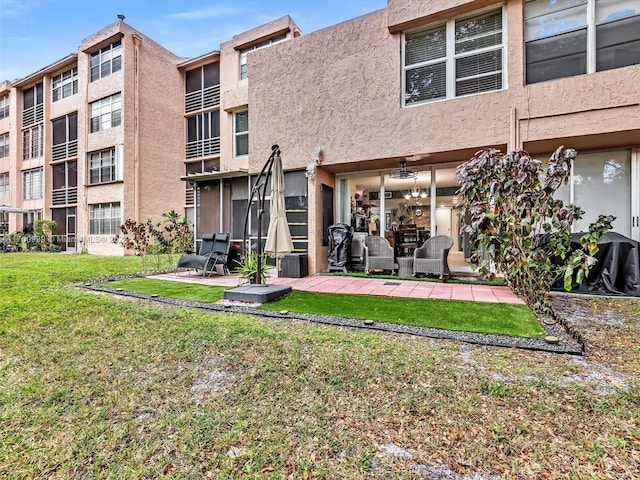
348,101
405,14
160,146
234,91
340,88
151,132
5,162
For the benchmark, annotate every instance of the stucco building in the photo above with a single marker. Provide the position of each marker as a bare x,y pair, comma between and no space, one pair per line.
432,82
423,82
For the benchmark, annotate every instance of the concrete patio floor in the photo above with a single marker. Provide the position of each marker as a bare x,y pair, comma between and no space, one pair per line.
367,286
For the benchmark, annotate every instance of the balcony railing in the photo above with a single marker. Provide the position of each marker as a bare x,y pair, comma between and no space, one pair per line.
32,115
201,99
189,196
203,148
64,150
64,196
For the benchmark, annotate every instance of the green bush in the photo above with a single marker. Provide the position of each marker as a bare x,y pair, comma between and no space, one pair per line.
43,229
515,225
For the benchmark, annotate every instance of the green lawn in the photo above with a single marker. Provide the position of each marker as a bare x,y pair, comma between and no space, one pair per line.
97,386
491,318
166,288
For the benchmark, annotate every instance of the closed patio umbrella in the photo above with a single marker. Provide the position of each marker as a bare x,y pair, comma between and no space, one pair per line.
278,242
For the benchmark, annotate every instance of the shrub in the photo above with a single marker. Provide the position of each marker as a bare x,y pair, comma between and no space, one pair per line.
248,267
43,229
515,225
172,235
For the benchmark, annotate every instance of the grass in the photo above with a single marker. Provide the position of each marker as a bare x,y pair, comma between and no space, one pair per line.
100,387
501,319
164,288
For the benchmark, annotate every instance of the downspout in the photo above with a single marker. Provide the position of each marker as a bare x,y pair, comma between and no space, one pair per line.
514,134
432,220
136,129
220,202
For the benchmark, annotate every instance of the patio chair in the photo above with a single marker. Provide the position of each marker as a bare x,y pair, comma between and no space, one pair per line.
378,254
357,250
214,251
432,256
220,254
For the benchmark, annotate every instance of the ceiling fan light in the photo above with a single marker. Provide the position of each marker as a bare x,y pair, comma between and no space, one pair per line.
403,172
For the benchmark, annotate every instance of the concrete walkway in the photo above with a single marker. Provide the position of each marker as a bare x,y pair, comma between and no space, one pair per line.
368,286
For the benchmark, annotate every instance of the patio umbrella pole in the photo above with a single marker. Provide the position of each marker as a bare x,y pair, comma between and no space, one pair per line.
278,233
264,175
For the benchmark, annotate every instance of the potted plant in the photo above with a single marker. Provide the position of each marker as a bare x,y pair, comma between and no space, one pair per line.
248,267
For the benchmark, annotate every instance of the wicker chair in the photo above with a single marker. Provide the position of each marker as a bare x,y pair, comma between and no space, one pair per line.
431,257
357,251
378,254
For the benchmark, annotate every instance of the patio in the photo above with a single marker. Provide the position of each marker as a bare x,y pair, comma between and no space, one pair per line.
367,286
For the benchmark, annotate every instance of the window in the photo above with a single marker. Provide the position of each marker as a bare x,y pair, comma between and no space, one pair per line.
32,184
4,145
4,184
64,85
457,58
32,105
64,182
202,87
106,61
106,113
617,34
103,167
104,219
203,134
4,107
564,38
241,133
32,143
258,46
65,137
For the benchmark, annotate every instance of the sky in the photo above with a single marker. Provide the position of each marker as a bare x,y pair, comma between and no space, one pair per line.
37,33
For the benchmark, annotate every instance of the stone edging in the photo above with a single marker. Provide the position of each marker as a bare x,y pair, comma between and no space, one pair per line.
570,342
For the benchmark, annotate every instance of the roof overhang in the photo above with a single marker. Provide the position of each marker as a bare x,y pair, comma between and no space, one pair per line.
203,177
69,60
201,60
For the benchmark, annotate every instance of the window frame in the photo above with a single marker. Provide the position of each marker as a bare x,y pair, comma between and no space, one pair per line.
107,213
32,184
590,42
4,145
239,134
68,147
33,104
100,162
32,143
4,184
105,57
451,57
4,106
102,114
68,78
202,134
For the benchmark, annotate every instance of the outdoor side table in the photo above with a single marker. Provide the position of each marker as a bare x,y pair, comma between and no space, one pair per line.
405,266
